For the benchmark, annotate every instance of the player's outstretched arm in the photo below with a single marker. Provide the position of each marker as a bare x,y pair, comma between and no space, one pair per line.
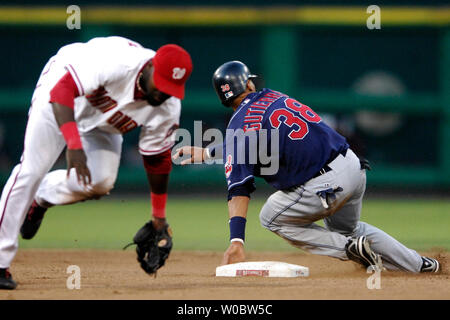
193,154
159,187
158,168
154,239
62,98
237,210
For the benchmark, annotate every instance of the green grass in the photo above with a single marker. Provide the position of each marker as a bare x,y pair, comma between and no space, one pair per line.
202,224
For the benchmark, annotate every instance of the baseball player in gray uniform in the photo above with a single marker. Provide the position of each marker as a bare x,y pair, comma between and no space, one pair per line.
319,178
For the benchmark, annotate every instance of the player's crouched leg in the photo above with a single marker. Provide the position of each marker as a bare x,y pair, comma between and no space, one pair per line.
281,209
267,215
285,214
277,211
56,189
103,159
101,186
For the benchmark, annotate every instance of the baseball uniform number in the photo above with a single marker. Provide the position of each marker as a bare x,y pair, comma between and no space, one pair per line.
290,119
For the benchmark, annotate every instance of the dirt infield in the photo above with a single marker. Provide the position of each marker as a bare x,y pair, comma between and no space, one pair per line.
42,274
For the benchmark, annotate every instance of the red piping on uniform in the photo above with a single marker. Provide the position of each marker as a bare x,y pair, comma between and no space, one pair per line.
48,69
159,150
78,79
22,158
9,193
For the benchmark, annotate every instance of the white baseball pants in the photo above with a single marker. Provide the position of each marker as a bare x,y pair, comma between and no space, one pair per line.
31,179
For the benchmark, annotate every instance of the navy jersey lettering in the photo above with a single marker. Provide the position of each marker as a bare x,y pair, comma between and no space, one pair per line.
306,143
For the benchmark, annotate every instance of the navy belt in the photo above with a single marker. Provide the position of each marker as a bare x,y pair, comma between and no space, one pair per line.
326,168
322,171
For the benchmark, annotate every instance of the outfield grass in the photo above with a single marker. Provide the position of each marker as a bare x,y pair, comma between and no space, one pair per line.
202,224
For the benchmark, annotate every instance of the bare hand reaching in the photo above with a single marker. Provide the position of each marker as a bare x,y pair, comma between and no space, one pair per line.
197,154
77,159
234,254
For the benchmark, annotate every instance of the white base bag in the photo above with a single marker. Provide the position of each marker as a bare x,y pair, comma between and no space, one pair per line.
272,269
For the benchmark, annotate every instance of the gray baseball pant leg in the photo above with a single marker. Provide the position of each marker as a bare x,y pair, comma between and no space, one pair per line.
394,254
291,215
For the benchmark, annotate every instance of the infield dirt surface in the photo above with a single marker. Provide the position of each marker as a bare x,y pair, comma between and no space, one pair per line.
190,275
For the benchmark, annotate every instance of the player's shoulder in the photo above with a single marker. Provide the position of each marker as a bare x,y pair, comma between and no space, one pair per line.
274,94
107,47
122,53
267,98
113,40
117,43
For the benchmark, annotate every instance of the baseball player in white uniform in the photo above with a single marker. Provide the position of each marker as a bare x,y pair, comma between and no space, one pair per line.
88,95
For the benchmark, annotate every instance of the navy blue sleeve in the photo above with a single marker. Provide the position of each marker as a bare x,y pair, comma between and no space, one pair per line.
242,190
239,158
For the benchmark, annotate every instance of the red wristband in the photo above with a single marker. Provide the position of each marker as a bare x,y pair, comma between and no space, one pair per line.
71,135
158,205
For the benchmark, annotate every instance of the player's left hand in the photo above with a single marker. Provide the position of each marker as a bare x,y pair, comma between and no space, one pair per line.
234,254
153,246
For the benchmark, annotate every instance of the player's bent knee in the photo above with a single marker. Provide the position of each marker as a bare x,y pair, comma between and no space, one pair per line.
103,187
266,215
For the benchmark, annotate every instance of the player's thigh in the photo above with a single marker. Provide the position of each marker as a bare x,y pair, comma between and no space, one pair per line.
103,155
43,142
345,219
302,205
276,205
291,207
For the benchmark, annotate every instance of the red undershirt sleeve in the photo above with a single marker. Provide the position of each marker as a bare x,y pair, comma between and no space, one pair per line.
65,91
159,164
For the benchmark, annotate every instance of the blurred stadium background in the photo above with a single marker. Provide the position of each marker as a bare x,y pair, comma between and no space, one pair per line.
386,90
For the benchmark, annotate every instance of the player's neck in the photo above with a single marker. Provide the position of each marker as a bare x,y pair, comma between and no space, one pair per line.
237,102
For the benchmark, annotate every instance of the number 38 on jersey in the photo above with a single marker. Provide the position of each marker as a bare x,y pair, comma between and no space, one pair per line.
296,116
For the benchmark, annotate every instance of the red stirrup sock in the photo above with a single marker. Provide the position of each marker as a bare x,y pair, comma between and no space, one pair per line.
159,205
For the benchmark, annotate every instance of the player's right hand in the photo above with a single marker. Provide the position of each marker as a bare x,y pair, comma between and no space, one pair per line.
195,154
77,159
234,254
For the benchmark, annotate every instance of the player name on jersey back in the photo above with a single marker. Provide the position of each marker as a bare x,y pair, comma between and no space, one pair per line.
255,113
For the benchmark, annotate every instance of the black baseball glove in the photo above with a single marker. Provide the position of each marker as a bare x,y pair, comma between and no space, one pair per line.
152,246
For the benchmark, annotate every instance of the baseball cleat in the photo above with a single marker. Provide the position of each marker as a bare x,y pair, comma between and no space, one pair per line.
358,250
32,221
429,265
6,280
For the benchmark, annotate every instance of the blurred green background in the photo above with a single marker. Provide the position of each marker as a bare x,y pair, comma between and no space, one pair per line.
387,90
202,224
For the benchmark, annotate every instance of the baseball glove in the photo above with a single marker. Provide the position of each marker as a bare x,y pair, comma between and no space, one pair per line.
152,247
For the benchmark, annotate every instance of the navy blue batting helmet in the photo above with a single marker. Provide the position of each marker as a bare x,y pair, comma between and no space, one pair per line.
230,80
